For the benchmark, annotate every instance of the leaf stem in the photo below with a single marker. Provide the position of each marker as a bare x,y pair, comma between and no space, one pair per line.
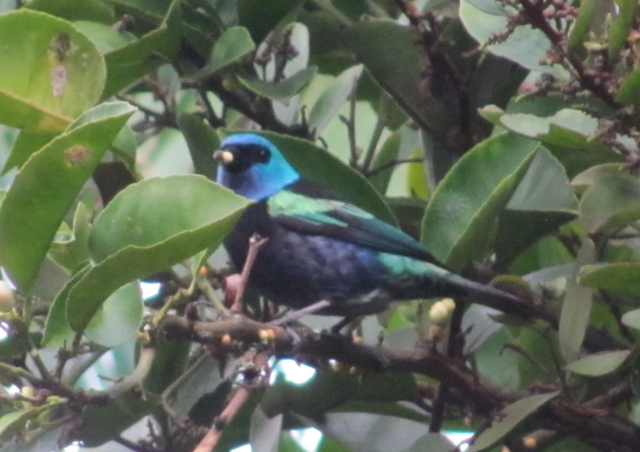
377,133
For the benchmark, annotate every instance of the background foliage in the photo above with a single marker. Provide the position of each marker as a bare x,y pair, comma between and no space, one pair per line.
501,133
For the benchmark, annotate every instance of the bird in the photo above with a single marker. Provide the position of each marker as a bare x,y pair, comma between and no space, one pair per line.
321,248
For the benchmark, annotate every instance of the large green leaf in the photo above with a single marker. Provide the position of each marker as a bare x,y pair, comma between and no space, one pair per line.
104,423
284,90
73,10
611,203
47,185
127,64
373,432
50,73
526,46
622,278
510,418
57,332
392,56
599,364
543,201
230,47
27,142
331,100
576,307
119,317
202,141
569,134
618,32
262,17
459,219
146,228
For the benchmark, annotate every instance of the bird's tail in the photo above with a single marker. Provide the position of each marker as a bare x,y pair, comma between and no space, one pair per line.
475,292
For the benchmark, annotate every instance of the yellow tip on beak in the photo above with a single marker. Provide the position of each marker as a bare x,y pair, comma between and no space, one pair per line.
223,157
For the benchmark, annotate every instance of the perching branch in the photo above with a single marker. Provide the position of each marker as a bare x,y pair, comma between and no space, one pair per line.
566,417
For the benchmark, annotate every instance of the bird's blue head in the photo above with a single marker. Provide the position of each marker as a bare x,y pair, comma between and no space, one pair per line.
253,166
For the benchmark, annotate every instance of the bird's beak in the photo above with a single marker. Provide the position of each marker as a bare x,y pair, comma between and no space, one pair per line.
223,157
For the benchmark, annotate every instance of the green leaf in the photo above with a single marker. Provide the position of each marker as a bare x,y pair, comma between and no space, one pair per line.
632,319
622,278
510,418
262,17
611,203
264,432
119,317
582,25
389,52
542,202
595,174
202,141
576,307
50,74
458,220
104,423
599,364
319,166
73,10
331,100
46,186
12,423
27,143
71,251
387,154
105,38
569,134
330,389
433,442
146,228
544,188
525,46
203,377
372,432
127,64
57,332
628,91
230,47
618,32
284,90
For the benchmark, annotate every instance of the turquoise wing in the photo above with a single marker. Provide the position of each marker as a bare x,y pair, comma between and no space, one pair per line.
342,221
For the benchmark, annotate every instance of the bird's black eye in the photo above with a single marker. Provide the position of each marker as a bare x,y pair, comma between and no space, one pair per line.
259,154
245,156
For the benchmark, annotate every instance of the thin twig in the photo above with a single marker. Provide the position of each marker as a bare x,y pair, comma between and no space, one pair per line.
377,133
179,295
214,120
207,289
77,371
351,126
255,242
139,374
391,164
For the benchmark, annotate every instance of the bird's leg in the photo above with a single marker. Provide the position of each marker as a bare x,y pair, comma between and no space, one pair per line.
335,329
295,315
